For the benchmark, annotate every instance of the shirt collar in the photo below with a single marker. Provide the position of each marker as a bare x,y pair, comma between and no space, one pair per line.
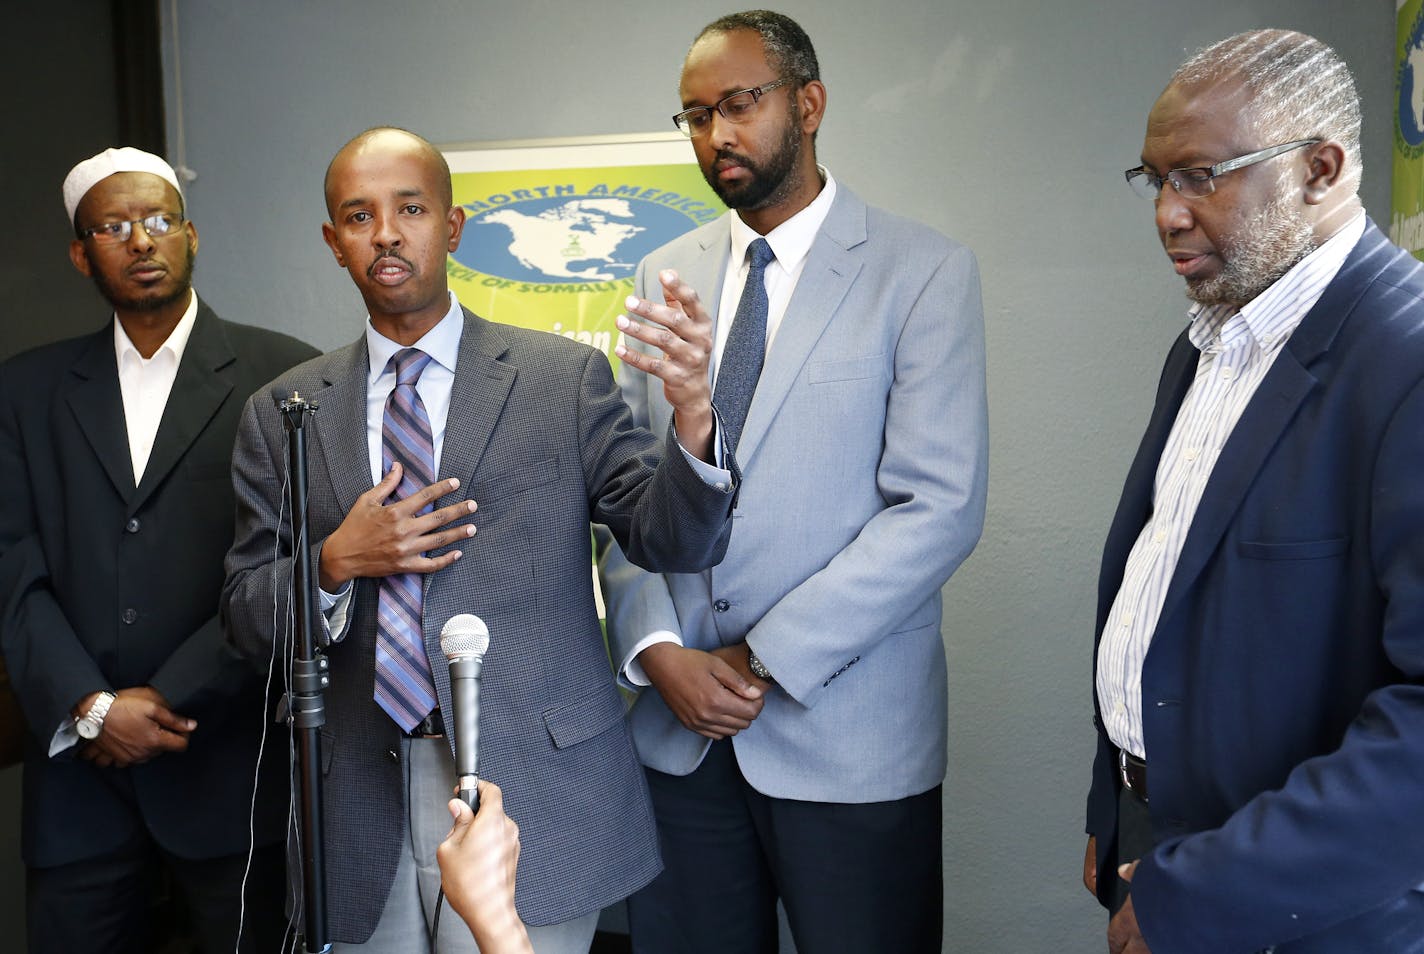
175,344
1273,315
791,240
442,342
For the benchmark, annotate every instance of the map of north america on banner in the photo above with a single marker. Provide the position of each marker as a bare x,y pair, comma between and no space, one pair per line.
555,232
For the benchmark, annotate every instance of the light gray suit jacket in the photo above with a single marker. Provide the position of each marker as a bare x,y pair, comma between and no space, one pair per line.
539,438
864,461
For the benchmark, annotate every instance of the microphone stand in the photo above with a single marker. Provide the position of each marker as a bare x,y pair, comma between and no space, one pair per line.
306,704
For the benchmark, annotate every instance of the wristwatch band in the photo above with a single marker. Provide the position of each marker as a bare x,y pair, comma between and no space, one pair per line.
758,668
92,722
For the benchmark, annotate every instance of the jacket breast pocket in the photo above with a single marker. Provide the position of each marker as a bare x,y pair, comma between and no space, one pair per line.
846,369
1293,550
517,479
581,720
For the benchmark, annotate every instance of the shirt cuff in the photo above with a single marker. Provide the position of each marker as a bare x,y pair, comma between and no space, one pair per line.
65,737
632,670
713,475
335,611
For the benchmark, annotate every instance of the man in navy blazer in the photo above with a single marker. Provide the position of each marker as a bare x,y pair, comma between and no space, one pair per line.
1259,671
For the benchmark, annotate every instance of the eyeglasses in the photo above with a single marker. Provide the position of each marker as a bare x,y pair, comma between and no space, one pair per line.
1197,182
112,233
736,108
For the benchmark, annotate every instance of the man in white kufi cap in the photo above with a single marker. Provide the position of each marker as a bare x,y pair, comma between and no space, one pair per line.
144,727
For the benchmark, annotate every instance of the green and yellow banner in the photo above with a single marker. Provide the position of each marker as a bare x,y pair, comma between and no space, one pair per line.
554,230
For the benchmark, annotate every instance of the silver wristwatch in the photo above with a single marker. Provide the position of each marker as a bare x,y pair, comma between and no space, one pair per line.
92,722
758,668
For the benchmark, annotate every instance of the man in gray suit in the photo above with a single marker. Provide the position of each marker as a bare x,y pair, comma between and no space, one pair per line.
528,428
794,731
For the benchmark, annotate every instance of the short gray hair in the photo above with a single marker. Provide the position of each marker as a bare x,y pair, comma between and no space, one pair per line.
1300,88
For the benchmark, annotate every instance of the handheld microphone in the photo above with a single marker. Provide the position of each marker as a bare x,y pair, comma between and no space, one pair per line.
464,640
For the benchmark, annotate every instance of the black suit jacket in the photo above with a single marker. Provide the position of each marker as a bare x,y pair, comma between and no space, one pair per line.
110,585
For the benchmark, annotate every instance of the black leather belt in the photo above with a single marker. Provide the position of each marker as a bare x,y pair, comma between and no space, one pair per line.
1132,771
431,727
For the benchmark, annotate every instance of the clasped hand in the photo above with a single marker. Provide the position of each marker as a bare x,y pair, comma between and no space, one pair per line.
139,726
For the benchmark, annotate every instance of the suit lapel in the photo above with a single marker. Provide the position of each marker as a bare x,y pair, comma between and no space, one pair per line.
1275,404
831,267
98,407
1136,504
482,385
339,437
199,389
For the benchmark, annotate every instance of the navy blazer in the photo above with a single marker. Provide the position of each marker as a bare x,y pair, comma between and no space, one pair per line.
1283,693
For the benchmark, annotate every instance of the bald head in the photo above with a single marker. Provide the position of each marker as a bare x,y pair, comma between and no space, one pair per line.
388,139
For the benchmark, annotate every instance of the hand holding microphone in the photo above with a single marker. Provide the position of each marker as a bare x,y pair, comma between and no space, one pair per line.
464,640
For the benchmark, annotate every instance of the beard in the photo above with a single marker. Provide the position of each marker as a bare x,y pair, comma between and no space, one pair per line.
771,181
1255,256
153,299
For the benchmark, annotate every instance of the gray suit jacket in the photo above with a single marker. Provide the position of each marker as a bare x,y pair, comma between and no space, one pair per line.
864,458
538,436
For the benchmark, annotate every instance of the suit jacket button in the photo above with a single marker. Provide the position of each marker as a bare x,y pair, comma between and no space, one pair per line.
133,525
721,606
130,615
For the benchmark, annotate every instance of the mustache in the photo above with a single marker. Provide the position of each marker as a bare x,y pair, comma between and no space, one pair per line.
727,155
371,269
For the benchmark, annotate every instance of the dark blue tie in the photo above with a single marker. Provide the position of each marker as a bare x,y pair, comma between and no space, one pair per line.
405,687
745,350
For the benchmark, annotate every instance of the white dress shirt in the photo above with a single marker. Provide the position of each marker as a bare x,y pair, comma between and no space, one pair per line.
791,243
1237,349
145,383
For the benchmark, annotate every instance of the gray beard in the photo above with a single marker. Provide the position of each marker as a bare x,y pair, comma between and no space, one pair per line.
1256,256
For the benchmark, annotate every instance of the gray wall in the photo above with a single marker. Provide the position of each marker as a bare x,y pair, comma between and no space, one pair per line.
1004,124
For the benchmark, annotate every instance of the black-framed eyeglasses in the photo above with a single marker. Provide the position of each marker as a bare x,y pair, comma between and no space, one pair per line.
736,108
112,233
1198,181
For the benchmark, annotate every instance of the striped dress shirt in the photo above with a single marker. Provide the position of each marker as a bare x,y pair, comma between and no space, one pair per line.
1237,349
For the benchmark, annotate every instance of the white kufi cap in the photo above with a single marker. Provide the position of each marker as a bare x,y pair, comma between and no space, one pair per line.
92,171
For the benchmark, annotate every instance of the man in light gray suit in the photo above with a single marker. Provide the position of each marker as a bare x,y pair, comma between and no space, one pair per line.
794,731
530,441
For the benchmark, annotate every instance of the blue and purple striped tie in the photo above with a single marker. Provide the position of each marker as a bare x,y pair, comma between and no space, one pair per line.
405,687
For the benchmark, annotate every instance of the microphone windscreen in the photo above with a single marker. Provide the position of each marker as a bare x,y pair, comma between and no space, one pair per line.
464,635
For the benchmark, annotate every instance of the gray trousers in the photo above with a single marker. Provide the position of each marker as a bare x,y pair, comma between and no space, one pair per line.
406,922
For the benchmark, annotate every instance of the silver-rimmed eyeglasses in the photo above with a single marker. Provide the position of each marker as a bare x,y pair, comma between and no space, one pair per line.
1198,181
112,233
736,108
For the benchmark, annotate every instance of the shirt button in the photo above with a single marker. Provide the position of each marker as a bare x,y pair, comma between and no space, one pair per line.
133,525
1228,373
130,615
1119,708
1159,536
721,606
1126,620
1191,453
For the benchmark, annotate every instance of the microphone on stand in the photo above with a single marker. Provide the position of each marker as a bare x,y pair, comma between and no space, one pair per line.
464,640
